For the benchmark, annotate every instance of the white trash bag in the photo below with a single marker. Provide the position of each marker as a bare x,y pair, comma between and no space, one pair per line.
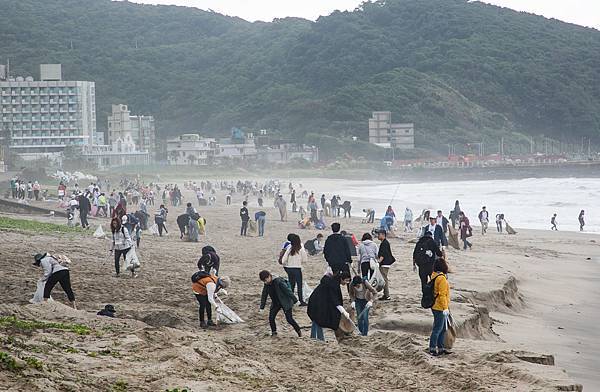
131,260
306,291
38,296
225,315
153,229
99,233
377,281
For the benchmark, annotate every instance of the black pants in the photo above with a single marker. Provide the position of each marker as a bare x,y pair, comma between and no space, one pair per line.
118,254
83,218
275,308
204,307
295,276
64,279
425,271
244,228
340,267
365,269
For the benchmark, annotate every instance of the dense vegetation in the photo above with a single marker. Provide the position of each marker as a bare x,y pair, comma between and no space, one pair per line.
461,71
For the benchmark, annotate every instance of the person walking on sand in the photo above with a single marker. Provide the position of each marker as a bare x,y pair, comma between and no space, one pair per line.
408,220
424,255
553,222
282,298
484,219
325,305
455,216
581,220
336,250
280,204
362,295
440,309
295,255
386,259
55,272
121,242
205,287
465,230
245,217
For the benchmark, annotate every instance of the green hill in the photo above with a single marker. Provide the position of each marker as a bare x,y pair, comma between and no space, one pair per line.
461,71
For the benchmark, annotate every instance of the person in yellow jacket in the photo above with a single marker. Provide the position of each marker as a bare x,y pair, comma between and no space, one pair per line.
440,308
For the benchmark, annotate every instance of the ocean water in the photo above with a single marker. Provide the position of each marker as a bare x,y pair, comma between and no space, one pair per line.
526,203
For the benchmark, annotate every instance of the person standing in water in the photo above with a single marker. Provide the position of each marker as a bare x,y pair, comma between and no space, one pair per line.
553,222
581,220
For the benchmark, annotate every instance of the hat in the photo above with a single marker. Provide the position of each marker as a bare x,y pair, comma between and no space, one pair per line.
110,308
38,258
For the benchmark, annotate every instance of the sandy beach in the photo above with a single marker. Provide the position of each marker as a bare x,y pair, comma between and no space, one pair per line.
519,300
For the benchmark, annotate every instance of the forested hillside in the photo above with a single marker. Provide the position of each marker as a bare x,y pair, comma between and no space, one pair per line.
461,71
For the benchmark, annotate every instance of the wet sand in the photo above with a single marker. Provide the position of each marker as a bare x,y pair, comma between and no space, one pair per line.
507,304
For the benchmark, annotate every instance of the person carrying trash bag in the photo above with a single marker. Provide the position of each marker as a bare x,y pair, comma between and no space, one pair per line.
362,295
325,305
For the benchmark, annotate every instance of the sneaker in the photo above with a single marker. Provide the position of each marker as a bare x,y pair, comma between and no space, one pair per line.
445,352
274,334
433,353
203,324
210,323
384,298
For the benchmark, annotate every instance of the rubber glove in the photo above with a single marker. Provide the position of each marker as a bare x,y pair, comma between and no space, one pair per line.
369,304
446,312
353,305
223,291
346,314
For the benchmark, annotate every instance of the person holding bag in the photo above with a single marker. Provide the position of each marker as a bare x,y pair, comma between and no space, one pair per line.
440,308
121,242
465,230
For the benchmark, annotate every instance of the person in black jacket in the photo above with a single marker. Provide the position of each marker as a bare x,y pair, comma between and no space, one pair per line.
386,259
245,218
325,305
84,209
209,260
336,251
424,255
282,297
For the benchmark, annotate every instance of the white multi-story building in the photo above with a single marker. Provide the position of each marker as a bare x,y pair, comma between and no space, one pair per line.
191,149
43,117
386,134
141,129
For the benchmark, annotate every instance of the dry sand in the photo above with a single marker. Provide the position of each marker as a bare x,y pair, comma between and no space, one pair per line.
510,295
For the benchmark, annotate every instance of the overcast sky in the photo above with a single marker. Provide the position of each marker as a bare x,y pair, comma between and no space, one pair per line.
583,12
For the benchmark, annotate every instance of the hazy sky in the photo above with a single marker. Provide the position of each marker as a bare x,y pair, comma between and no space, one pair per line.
583,12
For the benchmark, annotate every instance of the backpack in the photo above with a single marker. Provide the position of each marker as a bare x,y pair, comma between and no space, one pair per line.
428,299
199,275
310,247
421,256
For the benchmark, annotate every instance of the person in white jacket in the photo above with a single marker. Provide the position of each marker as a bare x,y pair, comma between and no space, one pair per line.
293,258
121,242
367,251
54,272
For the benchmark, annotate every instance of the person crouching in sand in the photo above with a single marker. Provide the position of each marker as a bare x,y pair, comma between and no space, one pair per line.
325,305
55,272
282,297
205,287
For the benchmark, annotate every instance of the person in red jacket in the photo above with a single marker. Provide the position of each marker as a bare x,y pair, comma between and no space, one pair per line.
465,230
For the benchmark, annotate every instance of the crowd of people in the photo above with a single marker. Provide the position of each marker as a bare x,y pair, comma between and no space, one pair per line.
360,268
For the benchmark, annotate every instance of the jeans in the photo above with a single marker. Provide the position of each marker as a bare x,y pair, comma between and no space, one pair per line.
316,332
204,307
63,277
118,254
295,276
363,322
438,332
466,243
275,308
499,227
261,226
244,228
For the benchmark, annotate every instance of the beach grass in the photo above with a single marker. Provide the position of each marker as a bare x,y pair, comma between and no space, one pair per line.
37,227
11,322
